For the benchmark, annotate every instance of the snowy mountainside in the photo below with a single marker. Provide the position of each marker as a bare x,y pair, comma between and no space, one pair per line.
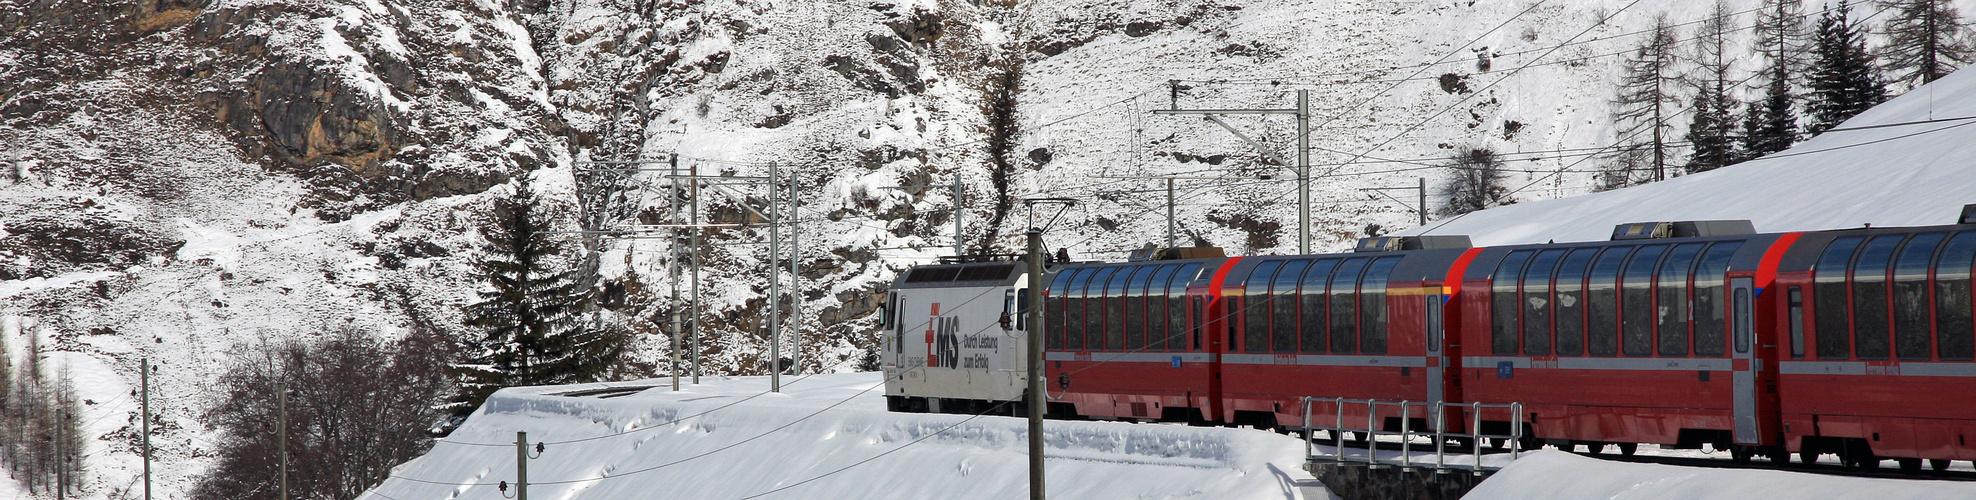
190,177
1896,168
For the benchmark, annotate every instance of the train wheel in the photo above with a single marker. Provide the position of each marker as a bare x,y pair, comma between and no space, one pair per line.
1938,464
1909,465
1741,454
1807,457
1594,447
1627,449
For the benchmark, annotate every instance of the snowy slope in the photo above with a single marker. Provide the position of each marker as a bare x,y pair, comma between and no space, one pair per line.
828,437
1554,474
1901,174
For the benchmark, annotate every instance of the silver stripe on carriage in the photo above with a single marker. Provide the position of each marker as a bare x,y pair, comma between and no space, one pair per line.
1324,360
1130,357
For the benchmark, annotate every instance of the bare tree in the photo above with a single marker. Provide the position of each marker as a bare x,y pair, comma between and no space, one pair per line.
1646,104
1925,40
1711,133
1477,182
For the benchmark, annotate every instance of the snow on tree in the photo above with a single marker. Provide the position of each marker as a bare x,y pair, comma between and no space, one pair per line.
1712,131
534,324
1477,182
1646,103
1925,40
1844,80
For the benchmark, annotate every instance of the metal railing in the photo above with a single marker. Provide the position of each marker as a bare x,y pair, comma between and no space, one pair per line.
1437,413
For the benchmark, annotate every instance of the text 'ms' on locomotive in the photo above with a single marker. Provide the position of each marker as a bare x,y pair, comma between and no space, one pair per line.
1855,342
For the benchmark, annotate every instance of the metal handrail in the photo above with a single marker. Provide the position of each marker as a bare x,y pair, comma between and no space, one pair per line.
1407,434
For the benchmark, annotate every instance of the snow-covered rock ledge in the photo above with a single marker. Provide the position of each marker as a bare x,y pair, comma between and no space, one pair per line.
727,445
1555,474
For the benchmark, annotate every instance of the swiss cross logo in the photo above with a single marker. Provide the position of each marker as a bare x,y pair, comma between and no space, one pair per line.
932,356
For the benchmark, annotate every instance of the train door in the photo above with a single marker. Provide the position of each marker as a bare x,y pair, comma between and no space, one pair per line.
1742,298
1436,357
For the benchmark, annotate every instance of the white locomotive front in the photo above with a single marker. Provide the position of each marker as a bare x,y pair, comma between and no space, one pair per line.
955,337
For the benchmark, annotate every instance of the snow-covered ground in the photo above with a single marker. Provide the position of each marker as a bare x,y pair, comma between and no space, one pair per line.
1555,474
826,436
1914,169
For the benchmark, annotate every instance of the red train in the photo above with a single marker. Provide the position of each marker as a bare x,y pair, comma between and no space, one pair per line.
1855,342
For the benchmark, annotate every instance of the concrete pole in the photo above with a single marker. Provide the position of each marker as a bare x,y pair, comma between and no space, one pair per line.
1169,212
693,321
1303,171
1034,331
959,243
521,465
144,383
1423,201
672,273
774,291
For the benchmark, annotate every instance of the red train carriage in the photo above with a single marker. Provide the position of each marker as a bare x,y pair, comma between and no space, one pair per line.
1877,345
1121,341
1338,326
1632,341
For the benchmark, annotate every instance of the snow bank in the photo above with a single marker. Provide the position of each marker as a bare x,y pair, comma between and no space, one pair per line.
1902,174
827,436
1555,474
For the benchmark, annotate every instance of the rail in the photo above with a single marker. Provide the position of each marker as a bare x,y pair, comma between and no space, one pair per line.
1437,413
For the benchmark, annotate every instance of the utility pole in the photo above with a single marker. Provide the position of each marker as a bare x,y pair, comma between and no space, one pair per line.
1034,331
1302,114
1422,188
960,244
521,465
1169,212
694,194
774,291
144,384
795,278
281,398
676,244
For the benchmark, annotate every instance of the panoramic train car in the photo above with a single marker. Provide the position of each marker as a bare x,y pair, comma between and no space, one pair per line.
1351,326
1877,345
1645,339
1121,341
954,338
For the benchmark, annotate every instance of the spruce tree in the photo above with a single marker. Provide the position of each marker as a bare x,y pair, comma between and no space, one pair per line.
1925,40
1843,81
1712,132
1772,123
530,324
1646,104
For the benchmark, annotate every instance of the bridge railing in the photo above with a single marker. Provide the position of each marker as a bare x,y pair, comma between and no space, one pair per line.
1439,434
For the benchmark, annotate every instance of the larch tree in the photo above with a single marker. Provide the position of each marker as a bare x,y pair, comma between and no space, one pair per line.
1844,80
1712,130
1646,104
1925,40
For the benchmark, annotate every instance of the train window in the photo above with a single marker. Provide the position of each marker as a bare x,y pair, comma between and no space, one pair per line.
1955,332
1055,319
1832,328
1314,300
1177,326
1094,312
1344,306
1602,302
1744,322
1200,313
1255,311
1135,308
1283,305
1870,296
1537,302
1372,305
1671,316
1155,297
1636,310
1910,291
1797,323
1570,301
1114,305
1710,271
1505,336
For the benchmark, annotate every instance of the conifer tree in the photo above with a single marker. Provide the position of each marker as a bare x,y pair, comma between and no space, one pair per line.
1844,80
1925,40
1772,122
1646,104
1712,132
530,324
